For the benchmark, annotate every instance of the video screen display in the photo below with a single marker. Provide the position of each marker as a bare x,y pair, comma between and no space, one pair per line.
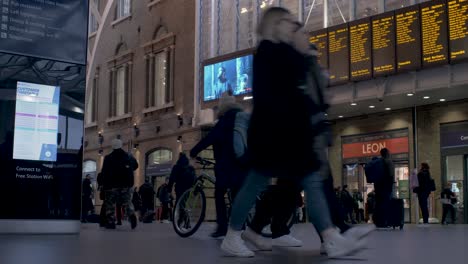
36,122
360,49
383,44
458,29
233,74
434,33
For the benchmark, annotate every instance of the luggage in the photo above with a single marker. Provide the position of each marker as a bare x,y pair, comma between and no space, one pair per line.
396,213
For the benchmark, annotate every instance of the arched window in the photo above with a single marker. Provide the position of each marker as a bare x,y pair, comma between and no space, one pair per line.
120,81
159,162
160,156
89,167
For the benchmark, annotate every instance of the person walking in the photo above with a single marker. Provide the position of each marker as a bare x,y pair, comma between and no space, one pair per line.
280,74
117,171
86,198
165,198
228,170
348,204
423,191
182,176
383,188
449,200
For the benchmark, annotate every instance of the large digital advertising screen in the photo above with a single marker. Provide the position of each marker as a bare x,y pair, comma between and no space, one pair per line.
232,74
36,122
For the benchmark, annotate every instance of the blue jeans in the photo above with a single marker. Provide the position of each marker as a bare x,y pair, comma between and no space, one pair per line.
256,182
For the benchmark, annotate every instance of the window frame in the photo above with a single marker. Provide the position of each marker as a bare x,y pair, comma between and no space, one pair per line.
165,43
124,60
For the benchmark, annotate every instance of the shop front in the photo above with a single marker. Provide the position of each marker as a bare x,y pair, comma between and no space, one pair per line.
357,150
454,153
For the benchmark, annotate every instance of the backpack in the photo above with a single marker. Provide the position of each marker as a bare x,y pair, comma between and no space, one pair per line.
374,170
241,124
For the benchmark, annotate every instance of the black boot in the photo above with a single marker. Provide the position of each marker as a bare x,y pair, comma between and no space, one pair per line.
133,221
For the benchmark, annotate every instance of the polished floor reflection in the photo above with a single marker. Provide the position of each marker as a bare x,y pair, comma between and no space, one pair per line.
157,243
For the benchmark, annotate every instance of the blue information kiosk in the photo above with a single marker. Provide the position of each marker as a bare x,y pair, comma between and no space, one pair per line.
43,47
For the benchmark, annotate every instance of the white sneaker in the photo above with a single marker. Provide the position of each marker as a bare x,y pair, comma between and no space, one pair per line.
233,245
260,242
359,232
323,250
337,245
287,241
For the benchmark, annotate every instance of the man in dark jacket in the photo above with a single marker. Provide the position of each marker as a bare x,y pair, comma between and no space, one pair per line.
164,196
118,180
182,175
383,190
228,172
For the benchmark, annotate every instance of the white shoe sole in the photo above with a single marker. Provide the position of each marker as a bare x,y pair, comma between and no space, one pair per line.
359,246
230,253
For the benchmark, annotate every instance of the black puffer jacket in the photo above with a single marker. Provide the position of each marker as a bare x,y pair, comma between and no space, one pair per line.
281,136
117,170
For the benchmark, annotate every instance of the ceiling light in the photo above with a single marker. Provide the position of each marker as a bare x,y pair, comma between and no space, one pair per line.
388,109
442,100
372,106
340,116
426,97
248,98
353,104
410,94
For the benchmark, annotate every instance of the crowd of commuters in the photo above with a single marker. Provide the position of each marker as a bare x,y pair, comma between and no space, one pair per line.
286,73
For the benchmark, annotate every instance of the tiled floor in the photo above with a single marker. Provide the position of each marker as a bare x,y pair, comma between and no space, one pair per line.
157,243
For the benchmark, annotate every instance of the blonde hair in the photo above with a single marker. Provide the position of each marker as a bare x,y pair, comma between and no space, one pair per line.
269,18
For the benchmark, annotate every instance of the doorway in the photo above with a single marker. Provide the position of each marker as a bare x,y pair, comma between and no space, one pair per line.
456,170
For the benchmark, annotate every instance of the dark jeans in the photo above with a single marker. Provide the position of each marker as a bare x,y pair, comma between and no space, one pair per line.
336,211
165,214
382,207
448,208
276,206
422,198
222,218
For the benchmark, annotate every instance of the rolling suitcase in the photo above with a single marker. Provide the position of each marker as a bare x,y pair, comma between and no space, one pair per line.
397,214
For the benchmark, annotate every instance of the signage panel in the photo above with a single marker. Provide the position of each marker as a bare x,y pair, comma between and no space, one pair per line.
434,33
383,44
458,29
338,54
373,148
320,40
360,49
45,29
408,39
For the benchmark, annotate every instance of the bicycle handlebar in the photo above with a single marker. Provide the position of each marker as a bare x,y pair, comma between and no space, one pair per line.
204,162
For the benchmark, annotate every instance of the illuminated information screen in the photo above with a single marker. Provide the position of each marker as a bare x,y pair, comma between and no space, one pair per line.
320,40
360,49
458,29
36,122
383,44
434,33
338,54
408,39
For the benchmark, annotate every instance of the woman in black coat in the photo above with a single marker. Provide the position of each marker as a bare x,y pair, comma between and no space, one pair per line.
423,191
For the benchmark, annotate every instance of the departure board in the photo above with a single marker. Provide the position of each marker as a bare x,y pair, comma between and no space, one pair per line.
458,29
434,33
408,39
320,40
338,54
360,49
383,44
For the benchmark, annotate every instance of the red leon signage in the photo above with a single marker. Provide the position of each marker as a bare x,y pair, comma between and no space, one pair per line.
372,148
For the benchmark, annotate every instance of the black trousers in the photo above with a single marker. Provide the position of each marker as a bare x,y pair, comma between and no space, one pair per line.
165,214
422,198
222,215
382,207
276,207
448,208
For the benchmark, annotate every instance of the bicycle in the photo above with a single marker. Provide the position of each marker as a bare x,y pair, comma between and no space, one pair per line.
190,208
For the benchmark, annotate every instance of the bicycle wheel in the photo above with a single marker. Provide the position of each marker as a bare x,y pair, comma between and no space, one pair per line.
189,212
